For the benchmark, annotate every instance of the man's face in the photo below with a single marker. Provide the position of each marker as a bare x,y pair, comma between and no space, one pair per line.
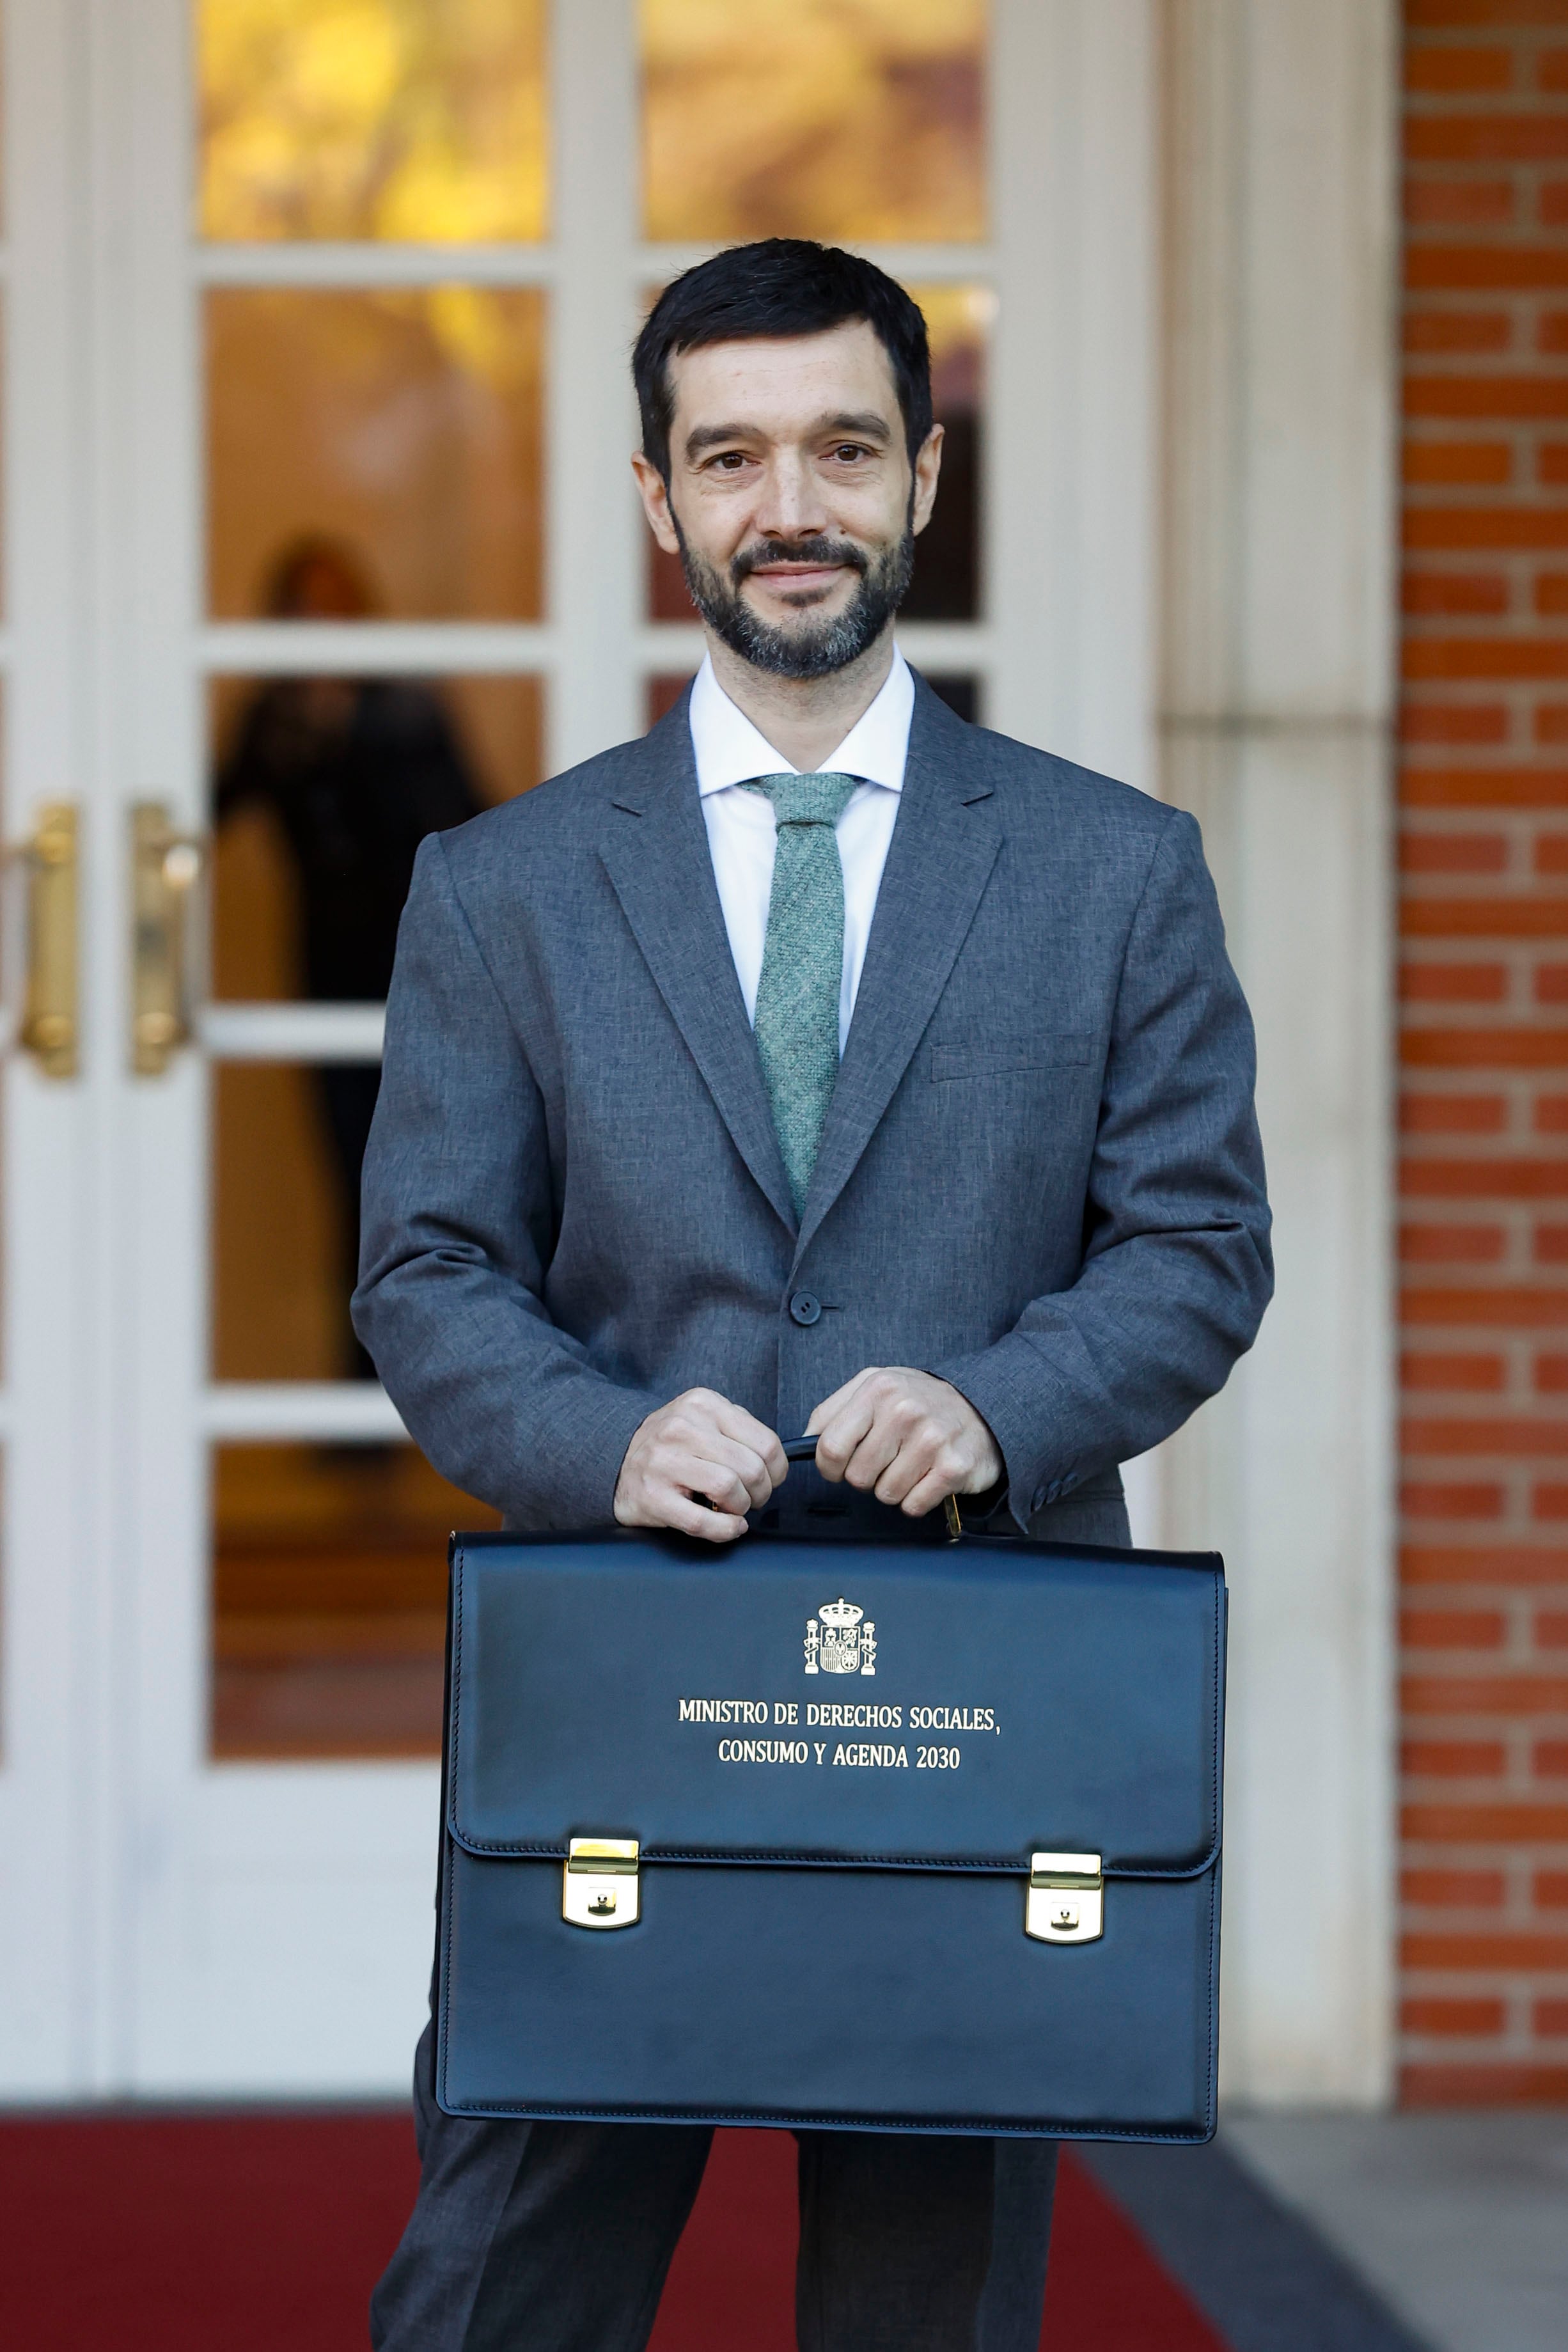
791,499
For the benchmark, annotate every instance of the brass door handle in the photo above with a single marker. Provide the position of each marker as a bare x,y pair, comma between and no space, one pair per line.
51,1024
165,867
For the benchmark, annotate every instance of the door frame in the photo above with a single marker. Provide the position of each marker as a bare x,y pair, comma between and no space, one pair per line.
173,1925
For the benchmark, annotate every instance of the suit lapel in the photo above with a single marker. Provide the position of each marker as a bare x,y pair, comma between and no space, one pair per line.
655,849
944,844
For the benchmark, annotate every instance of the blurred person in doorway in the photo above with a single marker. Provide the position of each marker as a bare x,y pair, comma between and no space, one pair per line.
356,772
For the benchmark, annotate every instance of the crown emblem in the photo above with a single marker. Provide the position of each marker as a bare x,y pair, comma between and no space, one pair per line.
840,1640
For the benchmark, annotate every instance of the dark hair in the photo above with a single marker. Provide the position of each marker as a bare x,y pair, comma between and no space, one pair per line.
782,286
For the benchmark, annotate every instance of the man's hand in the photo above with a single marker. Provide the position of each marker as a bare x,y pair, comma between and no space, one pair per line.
698,1446
908,1436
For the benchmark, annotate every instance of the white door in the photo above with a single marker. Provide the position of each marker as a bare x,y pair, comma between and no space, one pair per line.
317,411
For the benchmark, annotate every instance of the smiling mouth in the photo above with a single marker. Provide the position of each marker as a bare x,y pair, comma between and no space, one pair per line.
800,578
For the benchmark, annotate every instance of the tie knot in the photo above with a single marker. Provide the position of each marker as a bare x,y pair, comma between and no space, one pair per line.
819,799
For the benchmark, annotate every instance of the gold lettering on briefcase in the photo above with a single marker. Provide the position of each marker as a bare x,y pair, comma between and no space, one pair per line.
840,1640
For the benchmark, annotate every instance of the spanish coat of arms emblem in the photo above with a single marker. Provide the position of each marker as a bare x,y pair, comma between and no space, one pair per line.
840,1640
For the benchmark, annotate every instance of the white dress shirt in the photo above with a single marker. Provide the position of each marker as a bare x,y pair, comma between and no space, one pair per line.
742,829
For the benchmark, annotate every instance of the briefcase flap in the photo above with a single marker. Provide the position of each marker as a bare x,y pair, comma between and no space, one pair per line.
838,1704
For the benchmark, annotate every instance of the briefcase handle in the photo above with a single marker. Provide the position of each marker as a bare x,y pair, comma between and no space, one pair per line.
804,1449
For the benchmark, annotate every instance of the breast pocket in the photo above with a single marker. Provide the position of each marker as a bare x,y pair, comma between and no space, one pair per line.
997,1057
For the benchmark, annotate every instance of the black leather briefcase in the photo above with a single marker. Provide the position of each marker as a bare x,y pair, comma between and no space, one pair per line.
840,1833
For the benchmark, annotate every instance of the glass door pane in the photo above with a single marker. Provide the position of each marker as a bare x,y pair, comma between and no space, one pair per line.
322,790
851,121
395,435
417,120
375,453
330,1599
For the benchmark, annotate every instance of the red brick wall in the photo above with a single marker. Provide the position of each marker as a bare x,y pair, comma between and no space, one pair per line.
1484,918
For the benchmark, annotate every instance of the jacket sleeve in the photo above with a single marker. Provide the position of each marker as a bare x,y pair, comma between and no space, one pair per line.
458,1230
1176,1270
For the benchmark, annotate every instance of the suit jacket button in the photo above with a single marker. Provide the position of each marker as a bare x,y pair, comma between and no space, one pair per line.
804,1307
1042,1497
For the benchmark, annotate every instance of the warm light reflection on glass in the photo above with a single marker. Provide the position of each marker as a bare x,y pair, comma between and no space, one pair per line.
836,119
328,1599
404,424
419,119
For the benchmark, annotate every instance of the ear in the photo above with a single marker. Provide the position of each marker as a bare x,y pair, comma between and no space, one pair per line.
928,467
655,494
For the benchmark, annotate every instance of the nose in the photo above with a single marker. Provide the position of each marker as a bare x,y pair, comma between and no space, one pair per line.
792,506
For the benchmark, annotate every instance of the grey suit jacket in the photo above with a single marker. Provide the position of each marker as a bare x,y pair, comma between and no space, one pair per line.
1040,1176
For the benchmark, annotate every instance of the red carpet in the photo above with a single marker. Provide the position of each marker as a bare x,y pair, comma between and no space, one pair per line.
264,2233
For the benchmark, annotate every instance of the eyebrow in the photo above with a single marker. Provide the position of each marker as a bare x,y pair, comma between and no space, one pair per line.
865,421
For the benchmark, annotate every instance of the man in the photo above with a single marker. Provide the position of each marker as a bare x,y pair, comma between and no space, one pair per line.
818,1062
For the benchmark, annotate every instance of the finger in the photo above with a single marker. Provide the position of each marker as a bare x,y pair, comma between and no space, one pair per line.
679,1461
704,1410
711,1481
910,1465
925,1495
749,1458
830,1405
925,1450
689,1517
688,1467
891,1448
979,1477
655,1504
845,1432
736,1423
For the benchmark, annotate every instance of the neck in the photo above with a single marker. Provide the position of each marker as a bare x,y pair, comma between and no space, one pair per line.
804,718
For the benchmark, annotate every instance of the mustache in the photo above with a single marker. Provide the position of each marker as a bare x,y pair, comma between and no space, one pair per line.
807,552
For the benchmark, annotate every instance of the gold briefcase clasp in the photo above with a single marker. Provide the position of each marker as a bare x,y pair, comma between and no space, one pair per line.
1066,1902
599,1886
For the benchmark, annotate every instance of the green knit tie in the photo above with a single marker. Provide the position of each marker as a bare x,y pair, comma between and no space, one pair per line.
796,1019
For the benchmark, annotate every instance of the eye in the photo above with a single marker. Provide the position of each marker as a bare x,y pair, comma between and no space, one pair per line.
850,453
728,461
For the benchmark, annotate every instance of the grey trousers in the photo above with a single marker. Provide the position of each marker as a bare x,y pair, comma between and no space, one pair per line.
550,2237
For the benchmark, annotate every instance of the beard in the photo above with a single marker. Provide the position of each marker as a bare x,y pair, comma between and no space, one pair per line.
815,647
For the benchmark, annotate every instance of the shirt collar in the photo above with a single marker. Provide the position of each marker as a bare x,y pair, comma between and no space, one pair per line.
730,751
